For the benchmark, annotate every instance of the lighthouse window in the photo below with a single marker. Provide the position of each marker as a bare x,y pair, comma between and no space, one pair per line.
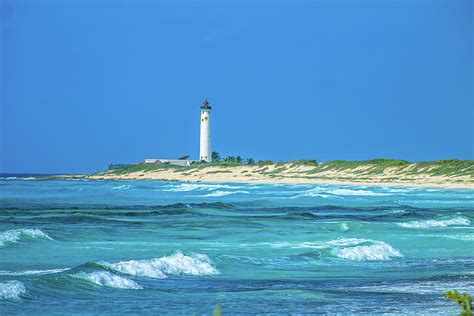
205,118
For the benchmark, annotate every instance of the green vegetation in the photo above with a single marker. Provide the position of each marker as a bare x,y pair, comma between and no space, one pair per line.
378,166
219,171
215,156
217,310
145,167
265,162
392,170
461,299
224,163
304,162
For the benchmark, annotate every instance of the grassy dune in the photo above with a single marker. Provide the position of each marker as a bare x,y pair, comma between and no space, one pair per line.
459,173
451,167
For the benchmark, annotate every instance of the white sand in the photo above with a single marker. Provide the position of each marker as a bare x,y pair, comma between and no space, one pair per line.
288,173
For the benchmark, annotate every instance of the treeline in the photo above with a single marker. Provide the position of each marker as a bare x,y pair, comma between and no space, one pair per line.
238,160
216,157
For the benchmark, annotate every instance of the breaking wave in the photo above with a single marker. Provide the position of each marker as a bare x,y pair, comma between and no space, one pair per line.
457,221
160,268
314,192
12,290
14,235
354,249
186,187
122,187
223,193
364,250
327,192
105,278
356,192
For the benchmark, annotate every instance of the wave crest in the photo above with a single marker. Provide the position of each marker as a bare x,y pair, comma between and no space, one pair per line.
457,221
122,187
186,187
105,278
12,290
364,250
223,193
160,268
34,272
14,235
326,192
354,249
356,192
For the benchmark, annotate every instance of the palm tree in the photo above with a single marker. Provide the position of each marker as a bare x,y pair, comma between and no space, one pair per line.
230,159
250,161
216,156
238,159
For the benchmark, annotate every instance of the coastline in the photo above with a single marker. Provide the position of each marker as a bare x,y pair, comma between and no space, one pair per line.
288,174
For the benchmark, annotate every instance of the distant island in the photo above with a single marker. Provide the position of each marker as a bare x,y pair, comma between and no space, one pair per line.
441,173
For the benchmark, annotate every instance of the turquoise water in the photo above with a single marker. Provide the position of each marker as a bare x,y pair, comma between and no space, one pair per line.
156,247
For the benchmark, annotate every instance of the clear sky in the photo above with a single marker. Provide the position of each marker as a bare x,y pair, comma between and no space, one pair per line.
85,83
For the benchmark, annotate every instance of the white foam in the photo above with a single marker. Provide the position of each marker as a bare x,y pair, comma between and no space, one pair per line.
420,287
12,290
122,187
14,235
186,187
397,189
223,193
457,221
368,250
328,192
313,193
33,272
356,192
176,264
355,249
105,278
344,227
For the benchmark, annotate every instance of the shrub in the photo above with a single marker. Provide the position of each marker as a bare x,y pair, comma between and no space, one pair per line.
265,162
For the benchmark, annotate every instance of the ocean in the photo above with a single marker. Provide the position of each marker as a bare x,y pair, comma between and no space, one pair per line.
155,247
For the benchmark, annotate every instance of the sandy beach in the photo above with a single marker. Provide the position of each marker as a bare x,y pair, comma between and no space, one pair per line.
294,174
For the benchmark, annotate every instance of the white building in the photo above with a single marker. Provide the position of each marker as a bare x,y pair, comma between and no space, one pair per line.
205,153
176,162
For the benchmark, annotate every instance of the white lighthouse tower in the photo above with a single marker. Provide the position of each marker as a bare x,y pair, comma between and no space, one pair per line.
205,153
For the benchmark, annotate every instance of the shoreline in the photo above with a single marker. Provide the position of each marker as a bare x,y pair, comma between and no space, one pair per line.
289,174
447,174
293,182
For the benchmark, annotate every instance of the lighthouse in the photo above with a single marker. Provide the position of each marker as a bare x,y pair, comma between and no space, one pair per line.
205,153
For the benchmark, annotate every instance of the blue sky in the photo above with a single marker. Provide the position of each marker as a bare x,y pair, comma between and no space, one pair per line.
85,83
